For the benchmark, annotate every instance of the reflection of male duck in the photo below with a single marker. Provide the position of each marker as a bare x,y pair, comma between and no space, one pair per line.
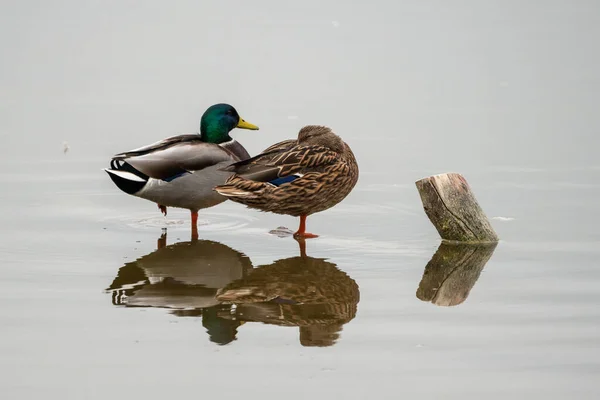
452,272
183,277
299,291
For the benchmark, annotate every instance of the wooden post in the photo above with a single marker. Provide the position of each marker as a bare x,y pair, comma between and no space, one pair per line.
453,210
452,272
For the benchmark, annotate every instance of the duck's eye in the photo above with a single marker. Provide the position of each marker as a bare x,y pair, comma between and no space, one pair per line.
229,112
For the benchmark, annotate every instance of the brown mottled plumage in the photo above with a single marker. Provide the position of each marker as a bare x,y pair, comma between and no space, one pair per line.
295,177
306,292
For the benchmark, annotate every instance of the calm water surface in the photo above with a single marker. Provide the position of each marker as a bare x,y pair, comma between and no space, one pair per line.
103,297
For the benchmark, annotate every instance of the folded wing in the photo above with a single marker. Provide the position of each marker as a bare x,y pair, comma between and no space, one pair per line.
282,160
175,156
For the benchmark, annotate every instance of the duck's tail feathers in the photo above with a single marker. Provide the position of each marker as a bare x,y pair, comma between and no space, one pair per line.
229,191
127,178
240,188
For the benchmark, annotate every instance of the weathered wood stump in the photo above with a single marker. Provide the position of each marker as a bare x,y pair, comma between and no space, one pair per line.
452,272
453,210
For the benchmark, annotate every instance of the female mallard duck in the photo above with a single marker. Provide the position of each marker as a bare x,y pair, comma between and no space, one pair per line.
295,177
181,171
310,293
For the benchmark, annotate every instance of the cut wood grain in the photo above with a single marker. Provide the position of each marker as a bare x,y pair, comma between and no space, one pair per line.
453,209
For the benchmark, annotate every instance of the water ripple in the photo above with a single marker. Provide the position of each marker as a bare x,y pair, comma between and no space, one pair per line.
207,221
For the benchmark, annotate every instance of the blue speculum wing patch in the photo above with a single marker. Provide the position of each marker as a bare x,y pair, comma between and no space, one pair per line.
172,178
283,179
280,300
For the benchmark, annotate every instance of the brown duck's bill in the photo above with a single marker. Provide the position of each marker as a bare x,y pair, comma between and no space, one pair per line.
246,125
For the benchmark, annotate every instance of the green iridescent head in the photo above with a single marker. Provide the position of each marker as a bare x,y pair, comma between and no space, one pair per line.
218,120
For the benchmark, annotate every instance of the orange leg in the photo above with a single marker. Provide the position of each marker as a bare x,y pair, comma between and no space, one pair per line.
302,230
163,209
302,244
162,241
194,225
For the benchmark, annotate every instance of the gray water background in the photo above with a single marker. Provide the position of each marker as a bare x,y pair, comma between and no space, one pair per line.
504,92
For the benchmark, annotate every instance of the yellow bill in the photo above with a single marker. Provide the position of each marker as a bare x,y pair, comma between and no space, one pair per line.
246,125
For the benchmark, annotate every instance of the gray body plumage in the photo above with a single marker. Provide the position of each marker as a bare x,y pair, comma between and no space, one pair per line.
180,171
193,191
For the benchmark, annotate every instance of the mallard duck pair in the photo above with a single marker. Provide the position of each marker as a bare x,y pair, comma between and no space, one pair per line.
297,177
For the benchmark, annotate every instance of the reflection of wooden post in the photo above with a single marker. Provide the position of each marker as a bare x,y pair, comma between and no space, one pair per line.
452,272
453,210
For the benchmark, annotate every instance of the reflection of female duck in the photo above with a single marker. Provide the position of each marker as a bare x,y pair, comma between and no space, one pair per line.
183,277
300,291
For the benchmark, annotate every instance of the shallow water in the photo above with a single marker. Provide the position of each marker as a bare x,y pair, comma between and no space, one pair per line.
103,297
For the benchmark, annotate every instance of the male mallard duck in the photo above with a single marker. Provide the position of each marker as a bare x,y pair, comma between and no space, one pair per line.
295,177
181,171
